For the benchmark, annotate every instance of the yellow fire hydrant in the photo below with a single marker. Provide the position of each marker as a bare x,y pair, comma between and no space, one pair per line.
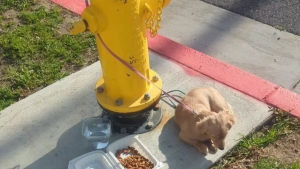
122,26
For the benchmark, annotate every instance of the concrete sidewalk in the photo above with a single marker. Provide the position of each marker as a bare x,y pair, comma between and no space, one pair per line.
43,130
234,39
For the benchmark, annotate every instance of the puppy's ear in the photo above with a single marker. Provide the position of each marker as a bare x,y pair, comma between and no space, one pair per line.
231,118
203,125
228,118
229,125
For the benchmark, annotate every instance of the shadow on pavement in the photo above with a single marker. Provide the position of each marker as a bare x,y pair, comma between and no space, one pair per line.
178,154
70,145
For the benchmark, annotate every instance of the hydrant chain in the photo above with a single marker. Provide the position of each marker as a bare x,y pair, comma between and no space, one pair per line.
155,18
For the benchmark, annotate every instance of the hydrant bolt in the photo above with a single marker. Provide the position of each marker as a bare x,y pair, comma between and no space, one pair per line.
119,102
149,125
105,117
155,78
123,130
147,96
100,89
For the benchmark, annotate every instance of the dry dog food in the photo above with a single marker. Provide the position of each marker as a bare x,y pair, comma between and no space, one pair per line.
134,161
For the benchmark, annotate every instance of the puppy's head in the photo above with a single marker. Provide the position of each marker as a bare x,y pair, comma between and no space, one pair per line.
216,127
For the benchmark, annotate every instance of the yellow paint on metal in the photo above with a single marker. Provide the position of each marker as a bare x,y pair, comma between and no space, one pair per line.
80,27
122,26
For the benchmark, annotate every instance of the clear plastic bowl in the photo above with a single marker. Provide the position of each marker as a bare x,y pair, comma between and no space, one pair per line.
93,160
97,131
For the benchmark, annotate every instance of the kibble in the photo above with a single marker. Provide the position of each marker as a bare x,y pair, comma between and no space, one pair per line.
135,160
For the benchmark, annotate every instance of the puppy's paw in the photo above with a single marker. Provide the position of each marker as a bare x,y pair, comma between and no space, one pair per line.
213,148
202,149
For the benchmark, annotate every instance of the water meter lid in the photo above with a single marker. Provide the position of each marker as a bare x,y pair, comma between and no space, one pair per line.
94,159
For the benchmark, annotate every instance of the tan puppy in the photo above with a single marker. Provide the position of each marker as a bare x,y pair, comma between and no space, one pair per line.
213,120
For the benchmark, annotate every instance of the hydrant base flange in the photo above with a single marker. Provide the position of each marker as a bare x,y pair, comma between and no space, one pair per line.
135,124
130,105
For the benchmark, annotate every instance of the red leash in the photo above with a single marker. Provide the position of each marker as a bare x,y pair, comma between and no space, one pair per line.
141,75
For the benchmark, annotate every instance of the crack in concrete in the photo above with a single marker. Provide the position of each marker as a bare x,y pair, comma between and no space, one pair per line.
294,87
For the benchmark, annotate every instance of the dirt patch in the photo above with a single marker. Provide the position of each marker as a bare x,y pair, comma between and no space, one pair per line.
46,3
245,163
286,149
11,16
69,19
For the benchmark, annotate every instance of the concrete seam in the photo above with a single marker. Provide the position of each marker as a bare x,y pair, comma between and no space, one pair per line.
271,93
294,87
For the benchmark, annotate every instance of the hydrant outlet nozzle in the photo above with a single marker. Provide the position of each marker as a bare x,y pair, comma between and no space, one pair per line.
79,27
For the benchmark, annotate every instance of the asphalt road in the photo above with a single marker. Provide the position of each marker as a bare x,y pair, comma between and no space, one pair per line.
283,14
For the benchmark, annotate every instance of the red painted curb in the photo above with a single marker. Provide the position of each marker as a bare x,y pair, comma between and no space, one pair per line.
286,100
224,73
211,67
76,6
227,74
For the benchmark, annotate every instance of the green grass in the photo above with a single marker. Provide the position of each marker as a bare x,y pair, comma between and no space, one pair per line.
261,139
34,53
7,97
16,4
268,163
282,124
265,163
